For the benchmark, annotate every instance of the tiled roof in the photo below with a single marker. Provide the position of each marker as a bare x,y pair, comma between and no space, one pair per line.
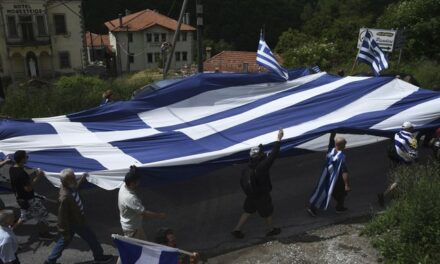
232,61
145,19
97,40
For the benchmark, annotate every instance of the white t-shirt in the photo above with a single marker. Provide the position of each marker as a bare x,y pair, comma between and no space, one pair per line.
8,245
130,209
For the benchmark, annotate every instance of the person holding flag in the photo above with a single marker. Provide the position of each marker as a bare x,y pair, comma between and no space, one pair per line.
371,54
266,59
334,180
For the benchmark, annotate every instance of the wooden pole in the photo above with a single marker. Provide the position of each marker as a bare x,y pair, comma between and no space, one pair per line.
176,33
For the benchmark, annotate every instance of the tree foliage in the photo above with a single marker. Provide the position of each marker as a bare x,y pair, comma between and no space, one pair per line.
421,21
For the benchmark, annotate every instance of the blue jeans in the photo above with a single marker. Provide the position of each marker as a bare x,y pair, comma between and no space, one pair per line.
85,233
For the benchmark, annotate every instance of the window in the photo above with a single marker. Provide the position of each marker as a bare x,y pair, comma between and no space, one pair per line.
184,35
184,56
156,37
177,56
157,57
149,37
64,59
164,37
60,24
27,28
178,37
12,27
245,67
131,58
150,57
41,25
130,37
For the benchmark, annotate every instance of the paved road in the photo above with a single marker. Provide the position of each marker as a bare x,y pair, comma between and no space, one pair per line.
202,211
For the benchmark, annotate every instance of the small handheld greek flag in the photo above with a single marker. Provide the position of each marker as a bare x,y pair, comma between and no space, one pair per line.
370,53
134,251
266,59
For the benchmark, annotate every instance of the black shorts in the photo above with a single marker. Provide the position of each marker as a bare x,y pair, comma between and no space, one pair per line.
261,204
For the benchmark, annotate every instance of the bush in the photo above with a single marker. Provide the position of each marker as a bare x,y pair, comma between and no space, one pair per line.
409,231
68,95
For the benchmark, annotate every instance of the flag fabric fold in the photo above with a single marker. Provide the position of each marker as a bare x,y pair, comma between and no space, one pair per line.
323,191
371,54
266,59
133,251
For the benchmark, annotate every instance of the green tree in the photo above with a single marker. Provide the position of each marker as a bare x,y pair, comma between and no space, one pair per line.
421,21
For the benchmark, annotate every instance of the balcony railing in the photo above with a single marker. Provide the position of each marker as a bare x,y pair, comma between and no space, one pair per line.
21,42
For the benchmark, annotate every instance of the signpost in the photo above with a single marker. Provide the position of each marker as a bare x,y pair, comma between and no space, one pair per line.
385,38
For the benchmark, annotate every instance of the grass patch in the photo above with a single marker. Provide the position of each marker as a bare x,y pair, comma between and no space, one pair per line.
409,230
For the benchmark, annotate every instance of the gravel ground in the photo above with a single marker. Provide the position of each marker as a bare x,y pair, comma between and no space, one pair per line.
338,244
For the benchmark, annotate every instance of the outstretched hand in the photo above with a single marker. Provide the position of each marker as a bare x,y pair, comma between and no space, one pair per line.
280,134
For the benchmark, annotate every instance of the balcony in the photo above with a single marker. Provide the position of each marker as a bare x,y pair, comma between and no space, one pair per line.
28,42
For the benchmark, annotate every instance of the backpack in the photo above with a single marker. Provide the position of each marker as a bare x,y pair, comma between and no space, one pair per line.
392,153
247,181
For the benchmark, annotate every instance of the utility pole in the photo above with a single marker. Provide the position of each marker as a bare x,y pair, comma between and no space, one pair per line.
199,12
128,43
118,48
92,50
173,46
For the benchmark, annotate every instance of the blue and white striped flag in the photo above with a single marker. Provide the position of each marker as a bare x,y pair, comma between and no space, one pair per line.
323,192
371,54
316,69
406,146
266,59
197,124
134,251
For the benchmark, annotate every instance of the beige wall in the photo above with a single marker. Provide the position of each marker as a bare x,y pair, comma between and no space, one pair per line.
73,41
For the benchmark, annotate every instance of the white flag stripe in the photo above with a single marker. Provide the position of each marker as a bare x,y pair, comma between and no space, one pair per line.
419,115
200,131
78,137
109,156
217,101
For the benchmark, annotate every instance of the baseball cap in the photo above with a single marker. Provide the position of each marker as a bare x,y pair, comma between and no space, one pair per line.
254,151
407,124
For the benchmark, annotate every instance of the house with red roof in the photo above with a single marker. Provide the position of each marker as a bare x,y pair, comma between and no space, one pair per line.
98,47
137,40
235,61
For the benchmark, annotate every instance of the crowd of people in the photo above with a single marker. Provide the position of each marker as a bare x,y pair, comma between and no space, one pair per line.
255,182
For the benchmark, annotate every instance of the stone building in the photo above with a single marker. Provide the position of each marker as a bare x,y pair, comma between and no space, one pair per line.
41,38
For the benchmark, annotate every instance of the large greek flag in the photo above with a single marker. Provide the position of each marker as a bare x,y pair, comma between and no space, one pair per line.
206,121
371,54
266,59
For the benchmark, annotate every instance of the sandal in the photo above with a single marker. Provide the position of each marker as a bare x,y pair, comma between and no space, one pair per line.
237,234
275,231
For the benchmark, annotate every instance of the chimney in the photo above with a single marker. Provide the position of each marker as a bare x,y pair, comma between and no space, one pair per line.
120,20
208,52
186,18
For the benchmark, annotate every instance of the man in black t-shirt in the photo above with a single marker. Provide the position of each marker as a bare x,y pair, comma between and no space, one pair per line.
260,199
31,206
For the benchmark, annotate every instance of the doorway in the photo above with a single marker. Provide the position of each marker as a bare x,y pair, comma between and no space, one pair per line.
32,65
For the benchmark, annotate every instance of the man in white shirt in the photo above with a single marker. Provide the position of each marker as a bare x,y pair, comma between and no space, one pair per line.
131,209
8,241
